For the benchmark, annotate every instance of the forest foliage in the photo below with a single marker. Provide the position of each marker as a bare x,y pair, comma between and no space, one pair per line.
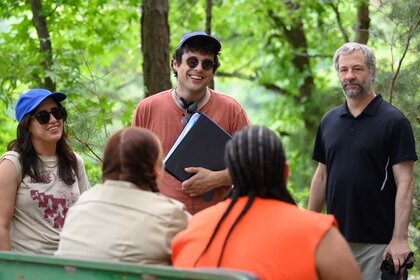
276,61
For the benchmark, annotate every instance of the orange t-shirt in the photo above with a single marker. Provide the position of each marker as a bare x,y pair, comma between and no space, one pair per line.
274,239
162,115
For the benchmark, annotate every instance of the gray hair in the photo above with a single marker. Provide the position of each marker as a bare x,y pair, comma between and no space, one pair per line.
347,48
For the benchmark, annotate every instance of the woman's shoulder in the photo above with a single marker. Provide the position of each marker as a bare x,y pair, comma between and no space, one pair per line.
14,157
11,154
169,207
80,161
78,157
170,202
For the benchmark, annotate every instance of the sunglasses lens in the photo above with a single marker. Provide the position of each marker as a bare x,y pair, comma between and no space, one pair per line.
59,113
42,117
192,62
207,64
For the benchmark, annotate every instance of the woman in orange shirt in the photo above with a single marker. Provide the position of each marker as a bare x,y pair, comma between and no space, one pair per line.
260,229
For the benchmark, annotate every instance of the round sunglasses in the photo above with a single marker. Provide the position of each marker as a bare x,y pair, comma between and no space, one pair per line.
206,64
43,116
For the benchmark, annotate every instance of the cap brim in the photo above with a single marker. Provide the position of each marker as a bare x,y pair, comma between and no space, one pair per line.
58,96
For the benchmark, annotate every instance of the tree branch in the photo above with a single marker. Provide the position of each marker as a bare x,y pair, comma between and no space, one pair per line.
270,86
86,144
55,8
45,48
411,33
236,75
96,94
340,25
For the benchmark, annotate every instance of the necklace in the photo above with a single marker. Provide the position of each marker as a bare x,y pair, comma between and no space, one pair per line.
54,162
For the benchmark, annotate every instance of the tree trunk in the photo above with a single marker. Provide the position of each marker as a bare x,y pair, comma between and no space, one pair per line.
155,46
209,4
45,47
295,35
362,24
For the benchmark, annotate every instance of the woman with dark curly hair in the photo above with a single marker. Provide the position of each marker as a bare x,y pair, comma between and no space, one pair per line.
260,229
125,218
40,176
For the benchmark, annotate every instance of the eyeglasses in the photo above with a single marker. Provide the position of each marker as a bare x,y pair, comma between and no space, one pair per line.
206,64
43,116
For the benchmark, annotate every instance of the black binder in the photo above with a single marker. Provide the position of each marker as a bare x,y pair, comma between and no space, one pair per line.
200,144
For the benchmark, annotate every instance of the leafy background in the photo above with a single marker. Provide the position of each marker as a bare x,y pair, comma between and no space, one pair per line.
98,63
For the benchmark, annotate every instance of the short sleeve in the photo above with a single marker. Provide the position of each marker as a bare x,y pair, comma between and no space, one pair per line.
318,153
82,178
402,144
15,158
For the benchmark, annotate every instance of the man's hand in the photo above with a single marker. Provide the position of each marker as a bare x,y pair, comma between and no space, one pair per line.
204,180
399,250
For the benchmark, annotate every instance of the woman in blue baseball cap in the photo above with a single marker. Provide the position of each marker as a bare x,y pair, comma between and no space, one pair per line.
40,176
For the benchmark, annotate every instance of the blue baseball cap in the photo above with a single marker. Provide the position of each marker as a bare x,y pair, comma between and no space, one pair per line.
31,99
202,35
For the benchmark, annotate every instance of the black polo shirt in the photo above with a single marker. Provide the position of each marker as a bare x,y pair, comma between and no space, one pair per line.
359,154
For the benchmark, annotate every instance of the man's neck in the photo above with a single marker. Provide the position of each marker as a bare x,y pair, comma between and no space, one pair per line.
189,96
200,97
357,105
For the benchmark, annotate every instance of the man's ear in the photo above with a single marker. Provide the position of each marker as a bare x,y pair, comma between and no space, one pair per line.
174,63
175,67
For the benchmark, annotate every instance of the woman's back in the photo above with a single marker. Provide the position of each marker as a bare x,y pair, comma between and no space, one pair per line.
117,221
272,240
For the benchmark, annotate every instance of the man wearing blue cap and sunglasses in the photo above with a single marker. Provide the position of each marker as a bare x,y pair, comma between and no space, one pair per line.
194,64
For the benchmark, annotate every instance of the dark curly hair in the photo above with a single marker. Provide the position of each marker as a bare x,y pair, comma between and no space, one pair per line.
197,44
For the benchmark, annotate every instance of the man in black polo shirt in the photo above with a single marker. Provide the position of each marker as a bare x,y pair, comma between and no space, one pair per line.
365,151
